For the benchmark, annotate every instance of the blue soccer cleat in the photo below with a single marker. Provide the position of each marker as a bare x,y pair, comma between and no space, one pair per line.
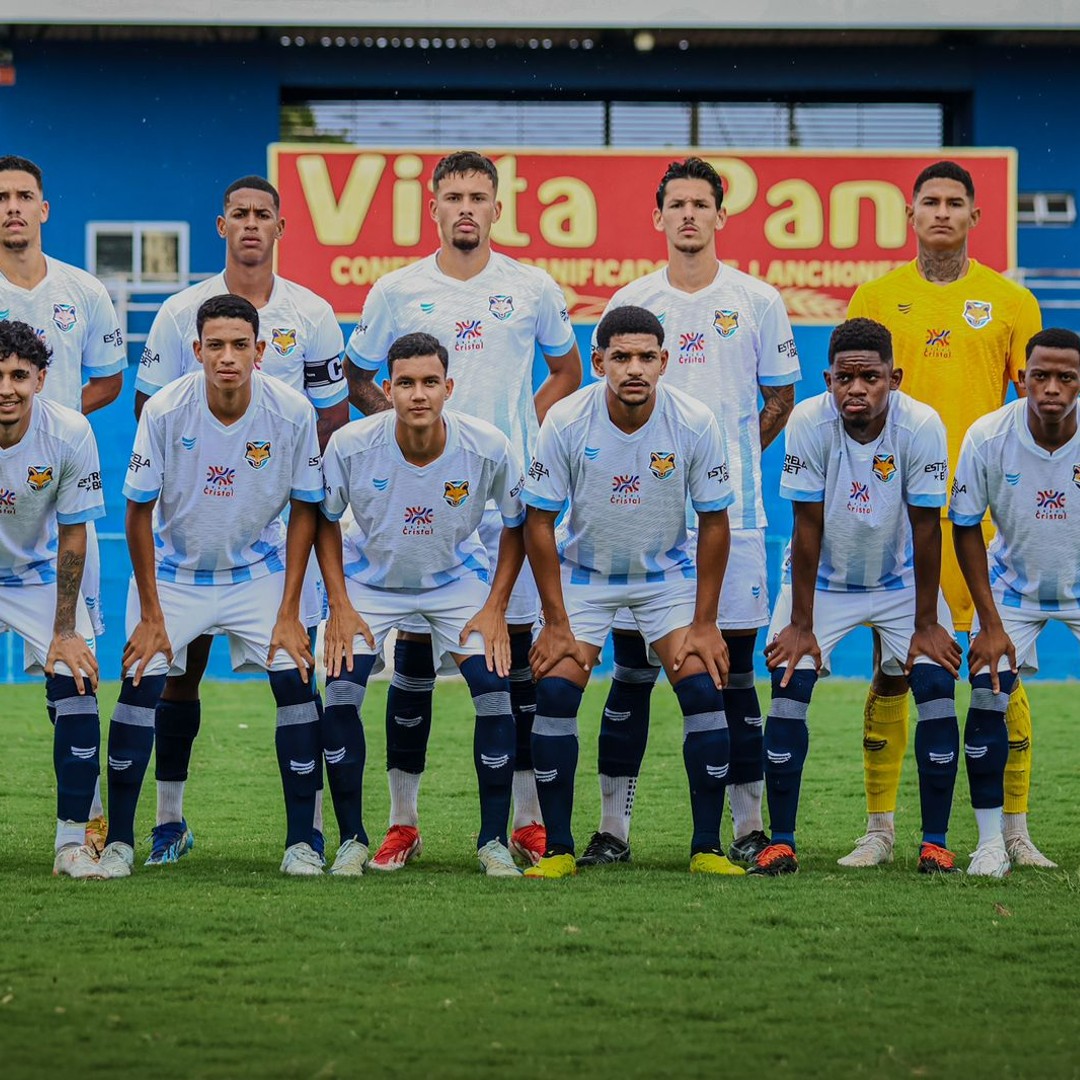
170,842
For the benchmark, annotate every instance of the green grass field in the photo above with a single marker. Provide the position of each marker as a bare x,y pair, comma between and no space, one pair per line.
218,967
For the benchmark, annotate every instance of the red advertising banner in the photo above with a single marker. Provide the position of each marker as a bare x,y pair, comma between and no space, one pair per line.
815,225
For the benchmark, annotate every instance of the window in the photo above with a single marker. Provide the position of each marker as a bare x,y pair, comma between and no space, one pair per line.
142,252
1046,208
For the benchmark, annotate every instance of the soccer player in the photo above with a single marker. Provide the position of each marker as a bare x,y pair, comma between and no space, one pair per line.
50,487
621,457
1022,463
218,456
495,311
303,349
734,343
865,469
959,331
74,315
417,480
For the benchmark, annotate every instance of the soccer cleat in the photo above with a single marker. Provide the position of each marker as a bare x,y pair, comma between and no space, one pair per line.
77,861
169,843
553,866
990,860
97,830
873,849
775,860
603,850
529,843
302,860
1022,852
935,859
401,845
496,860
350,859
747,848
117,860
714,862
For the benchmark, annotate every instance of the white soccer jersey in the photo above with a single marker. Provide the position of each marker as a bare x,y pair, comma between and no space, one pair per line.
51,476
302,335
866,489
220,488
74,315
626,521
490,326
1034,560
413,527
723,342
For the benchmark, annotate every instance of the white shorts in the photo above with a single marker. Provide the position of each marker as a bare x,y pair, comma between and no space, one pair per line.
744,595
1024,628
891,612
524,606
441,612
30,611
91,579
245,612
655,608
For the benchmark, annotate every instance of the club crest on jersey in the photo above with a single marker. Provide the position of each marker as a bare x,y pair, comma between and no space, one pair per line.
977,313
455,492
469,335
726,322
257,454
283,339
501,306
625,490
692,348
64,316
884,466
1076,474
39,477
219,481
1050,506
418,521
661,464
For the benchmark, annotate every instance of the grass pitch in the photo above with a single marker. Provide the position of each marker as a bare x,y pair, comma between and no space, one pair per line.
218,967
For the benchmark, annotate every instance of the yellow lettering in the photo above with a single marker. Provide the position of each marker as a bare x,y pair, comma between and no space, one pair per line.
408,200
338,222
339,270
801,222
890,220
740,183
505,231
570,218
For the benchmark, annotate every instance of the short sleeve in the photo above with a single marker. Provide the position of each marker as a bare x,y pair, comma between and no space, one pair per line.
803,475
709,476
145,467
547,483
373,335
1028,323
928,465
104,353
554,334
324,377
335,479
79,496
778,359
970,499
307,478
507,486
163,356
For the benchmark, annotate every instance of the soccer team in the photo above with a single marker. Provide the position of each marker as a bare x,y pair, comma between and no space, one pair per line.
465,510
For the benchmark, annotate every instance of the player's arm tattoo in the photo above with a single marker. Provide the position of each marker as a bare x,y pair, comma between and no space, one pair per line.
364,394
943,266
70,560
778,403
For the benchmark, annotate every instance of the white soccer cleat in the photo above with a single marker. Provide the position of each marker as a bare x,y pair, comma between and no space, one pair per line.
990,860
1023,852
117,860
302,860
77,861
350,859
496,860
873,849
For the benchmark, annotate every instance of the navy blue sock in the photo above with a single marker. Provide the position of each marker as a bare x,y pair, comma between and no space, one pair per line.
176,723
937,747
522,699
76,745
706,755
408,706
345,748
624,724
555,757
493,747
743,713
131,738
786,742
986,740
299,752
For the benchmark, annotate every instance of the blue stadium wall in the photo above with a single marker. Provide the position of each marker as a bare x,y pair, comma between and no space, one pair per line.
129,130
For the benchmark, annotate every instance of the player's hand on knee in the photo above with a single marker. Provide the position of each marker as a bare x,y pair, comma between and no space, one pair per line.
789,647
147,640
291,635
342,628
555,642
708,645
71,649
936,644
987,648
490,624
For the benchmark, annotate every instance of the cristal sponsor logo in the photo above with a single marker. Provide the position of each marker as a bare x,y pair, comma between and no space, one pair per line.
39,477
938,344
616,717
1051,506
793,464
84,753
302,768
119,764
219,481
380,482
859,498
692,348
188,443
335,757
494,761
717,772
975,751
938,337
469,335
546,776
942,759
418,521
777,757
591,452
625,489
7,501
408,721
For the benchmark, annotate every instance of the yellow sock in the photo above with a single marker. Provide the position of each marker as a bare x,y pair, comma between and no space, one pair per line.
885,735
1018,767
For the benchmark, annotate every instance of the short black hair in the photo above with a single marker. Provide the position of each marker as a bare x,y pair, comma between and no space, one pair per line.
864,334
21,340
416,344
1053,337
628,320
693,168
14,163
227,306
257,183
465,161
945,170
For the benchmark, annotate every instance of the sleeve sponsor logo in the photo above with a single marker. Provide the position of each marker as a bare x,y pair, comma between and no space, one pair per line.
537,470
787,348
721,473
115,338
138,462
793,464
149,358
90,482
938,468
